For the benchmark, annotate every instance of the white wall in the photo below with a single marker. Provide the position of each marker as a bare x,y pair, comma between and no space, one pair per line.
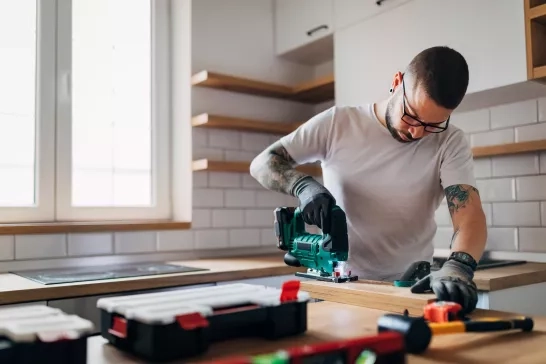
232,213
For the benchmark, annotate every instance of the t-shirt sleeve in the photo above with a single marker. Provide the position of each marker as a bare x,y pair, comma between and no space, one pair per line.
458,164
310,142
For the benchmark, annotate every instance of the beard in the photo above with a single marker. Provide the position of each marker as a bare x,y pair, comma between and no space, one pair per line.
394,132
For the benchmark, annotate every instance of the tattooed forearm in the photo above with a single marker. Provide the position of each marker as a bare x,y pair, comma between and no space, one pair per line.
275,169
454,237
458,196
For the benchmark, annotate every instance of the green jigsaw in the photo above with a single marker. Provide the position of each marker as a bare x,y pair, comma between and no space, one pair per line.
324,255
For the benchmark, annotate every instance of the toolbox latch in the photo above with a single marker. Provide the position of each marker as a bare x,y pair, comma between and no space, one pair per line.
192,321
119,327
290,290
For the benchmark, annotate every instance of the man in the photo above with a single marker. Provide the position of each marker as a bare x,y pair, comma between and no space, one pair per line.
388,165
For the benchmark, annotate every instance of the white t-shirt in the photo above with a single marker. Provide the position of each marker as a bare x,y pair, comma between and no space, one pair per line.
388,190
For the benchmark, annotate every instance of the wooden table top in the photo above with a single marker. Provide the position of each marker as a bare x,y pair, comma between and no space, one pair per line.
16,289
334,321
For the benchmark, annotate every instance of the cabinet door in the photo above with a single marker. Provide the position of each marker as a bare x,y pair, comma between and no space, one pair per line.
348,12
489,33
300,22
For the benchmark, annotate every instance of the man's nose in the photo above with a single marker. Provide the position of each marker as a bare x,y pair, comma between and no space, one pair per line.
417,132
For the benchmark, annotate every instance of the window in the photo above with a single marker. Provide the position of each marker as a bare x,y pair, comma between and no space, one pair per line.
84,110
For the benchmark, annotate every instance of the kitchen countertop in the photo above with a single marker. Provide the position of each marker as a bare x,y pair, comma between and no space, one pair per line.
16,289
335,321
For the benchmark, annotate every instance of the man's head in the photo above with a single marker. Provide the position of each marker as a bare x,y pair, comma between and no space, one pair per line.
424,96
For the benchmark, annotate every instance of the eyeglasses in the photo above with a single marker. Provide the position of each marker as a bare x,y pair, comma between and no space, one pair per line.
413,121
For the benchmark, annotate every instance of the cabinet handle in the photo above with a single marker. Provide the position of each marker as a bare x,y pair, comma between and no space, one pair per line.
378,2
316,29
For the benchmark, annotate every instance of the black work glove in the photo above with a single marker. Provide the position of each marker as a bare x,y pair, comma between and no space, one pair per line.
453,282
316,203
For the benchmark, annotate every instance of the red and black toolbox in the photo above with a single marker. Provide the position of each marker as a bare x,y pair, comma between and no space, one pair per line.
180,324
42,334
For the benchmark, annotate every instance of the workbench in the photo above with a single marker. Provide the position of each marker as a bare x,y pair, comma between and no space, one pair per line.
333,321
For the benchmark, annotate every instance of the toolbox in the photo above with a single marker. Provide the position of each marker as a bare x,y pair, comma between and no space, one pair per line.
42,334
180,324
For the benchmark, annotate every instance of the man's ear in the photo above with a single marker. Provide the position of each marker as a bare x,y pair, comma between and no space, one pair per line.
396,81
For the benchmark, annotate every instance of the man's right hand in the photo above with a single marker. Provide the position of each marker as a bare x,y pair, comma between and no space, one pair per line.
316,203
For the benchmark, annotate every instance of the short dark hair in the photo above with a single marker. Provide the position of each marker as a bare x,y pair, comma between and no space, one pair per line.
443,73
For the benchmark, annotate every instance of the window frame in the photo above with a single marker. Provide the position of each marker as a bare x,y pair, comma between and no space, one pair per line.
44,147
160,144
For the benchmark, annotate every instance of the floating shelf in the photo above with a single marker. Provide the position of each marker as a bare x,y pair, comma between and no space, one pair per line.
313,92
512,148
535,38
243,167
230,123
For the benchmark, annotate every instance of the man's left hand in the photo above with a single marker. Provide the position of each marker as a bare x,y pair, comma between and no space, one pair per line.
453,282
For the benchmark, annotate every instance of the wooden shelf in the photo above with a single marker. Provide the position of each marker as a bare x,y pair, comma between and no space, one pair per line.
535,39
312,92
224,122
243,167
512,148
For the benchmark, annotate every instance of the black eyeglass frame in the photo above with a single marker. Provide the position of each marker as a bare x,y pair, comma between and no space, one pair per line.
421,123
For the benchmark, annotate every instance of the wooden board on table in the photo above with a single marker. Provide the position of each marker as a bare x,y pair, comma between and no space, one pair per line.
376,296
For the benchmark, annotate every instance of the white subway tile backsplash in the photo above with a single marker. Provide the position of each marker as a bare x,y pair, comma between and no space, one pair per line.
208,197
515,165
239,155
227,218
211,239
40,246
208,153
531,132
90,244
442,238
531,188
532,239
260,218
240,198
543,162
268,237
254,142
482,167
472,121
200,179
239,238
542,109
7,247
270,199
492,138
199,137
442,216
171,240
219,138
201,218
517,113
543,212
500,189
134,242
225,179
516,214
502,239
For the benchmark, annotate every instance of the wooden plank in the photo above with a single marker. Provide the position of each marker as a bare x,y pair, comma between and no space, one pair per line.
312,92
512,148
510,276
539,72
243,167
91,226
538,13
376,296
230,123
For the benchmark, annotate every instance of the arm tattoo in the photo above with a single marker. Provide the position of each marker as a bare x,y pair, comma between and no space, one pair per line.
457,196
453,237
274,169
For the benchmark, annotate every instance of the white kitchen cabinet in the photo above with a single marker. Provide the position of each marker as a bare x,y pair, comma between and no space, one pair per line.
348,12
489,33
304,30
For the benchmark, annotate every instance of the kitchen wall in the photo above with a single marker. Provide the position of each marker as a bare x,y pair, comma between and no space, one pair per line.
513,187
232,213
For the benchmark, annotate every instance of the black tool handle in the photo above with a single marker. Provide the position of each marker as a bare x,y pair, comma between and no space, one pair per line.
311,31
525,324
